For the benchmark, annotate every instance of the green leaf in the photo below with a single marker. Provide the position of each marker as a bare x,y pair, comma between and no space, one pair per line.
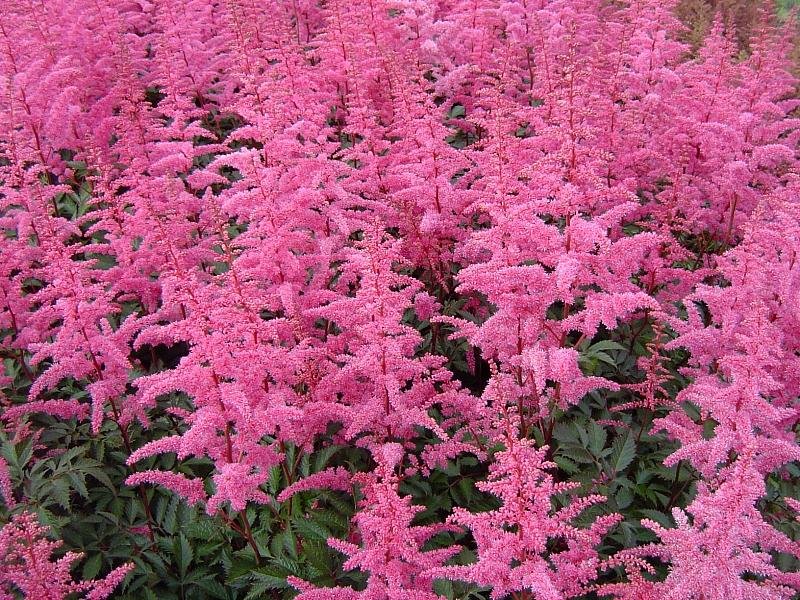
623,498
202,529
170,522
26,453
92,566
623,452
444,587
78,481
70,455
183,554
213,588
323,457
457,111
657,516
311,530
59,492
605,345
101,476
597,438
566,465
268,578
576,453
318,555
565,433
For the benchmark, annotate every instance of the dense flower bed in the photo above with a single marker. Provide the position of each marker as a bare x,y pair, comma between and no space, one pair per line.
397,299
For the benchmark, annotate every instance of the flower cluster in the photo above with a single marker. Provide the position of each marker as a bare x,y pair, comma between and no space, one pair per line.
28,566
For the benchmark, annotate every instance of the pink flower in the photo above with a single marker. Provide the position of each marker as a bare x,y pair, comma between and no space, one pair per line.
26,565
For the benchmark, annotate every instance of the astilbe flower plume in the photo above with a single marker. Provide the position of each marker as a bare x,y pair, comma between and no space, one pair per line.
740,382
391,547
29,568
513,541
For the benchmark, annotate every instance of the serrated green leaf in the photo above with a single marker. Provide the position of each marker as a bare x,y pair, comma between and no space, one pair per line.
318,555
656,516
566,465
623,498
308,529
101,476
202,529
170,520
623,453
59,491
78,481
444,587
577,453
271,578
565,433
182,551
91,567
323,457
213,588
69,455
597,438
604,345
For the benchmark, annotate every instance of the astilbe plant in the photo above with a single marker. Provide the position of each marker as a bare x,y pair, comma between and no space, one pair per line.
390,546
418,245
752,436
528,548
